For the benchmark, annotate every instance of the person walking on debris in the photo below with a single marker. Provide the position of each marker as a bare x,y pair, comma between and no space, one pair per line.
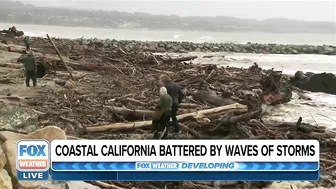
175,91
30,68
27,43
162,114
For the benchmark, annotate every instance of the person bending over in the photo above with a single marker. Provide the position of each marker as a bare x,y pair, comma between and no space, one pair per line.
162,114
175,91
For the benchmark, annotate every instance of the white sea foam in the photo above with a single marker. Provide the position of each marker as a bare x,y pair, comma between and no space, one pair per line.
321,110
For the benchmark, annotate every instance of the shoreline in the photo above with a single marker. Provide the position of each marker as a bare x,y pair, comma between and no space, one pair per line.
129,80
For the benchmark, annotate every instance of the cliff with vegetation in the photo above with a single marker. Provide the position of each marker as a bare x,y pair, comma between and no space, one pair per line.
17,12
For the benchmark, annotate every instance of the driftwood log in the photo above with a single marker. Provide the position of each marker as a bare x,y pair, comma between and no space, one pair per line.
59,55
78,127
190,131
5,81
189,105
105,185
11,65
231,120
211,98
181,59
130,114
143,124
17,50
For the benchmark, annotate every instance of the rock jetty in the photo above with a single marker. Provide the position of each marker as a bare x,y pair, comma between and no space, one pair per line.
183,47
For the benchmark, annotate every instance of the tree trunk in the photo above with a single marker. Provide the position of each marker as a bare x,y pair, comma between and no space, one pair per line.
142,124
59,55
212,98
13,49
11,65
130,114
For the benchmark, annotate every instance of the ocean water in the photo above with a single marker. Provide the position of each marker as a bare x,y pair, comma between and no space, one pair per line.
157,35
321,110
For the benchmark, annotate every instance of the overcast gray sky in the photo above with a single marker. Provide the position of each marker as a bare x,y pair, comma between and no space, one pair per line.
299,10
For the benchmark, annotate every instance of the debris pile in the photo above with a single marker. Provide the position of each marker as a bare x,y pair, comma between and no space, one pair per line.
11,32
114,91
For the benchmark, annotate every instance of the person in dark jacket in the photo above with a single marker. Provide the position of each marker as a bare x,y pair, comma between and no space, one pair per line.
30,68
14,29
175,91
27,43
162,114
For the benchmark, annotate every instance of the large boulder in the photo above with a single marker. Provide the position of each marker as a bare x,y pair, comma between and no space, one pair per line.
329,51
8,158
291,185
17,118
323,82
3,159
49,133
80,185
5,180
67,185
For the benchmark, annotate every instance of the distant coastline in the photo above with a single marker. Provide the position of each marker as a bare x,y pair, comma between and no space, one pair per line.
176,30
176,35
17,12
106,28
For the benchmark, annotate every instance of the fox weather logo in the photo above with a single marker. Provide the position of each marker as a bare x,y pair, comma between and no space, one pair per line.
32,159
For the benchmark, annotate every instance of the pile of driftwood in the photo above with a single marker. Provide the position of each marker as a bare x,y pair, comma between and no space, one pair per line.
10,33
111,94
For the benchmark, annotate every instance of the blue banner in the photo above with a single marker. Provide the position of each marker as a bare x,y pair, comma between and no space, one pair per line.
32,175
184,166
186,175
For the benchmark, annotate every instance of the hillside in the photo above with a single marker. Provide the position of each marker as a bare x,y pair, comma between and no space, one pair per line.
17,12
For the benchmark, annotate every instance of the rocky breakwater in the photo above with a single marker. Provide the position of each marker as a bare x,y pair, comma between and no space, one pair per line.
183,47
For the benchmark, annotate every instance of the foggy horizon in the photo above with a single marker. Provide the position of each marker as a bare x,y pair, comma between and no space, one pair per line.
324,11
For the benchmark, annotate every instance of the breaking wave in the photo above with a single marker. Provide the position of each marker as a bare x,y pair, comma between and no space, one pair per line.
321,110
177,36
